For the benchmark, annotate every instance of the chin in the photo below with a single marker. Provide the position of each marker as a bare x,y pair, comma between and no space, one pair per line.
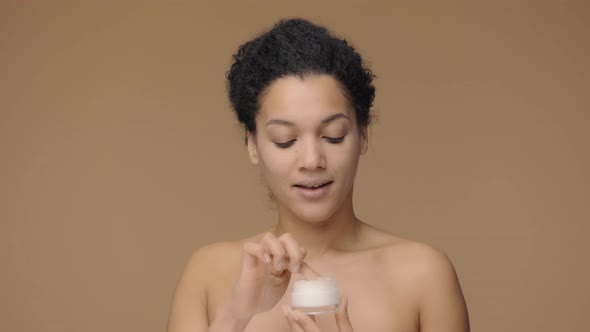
314,214
310,211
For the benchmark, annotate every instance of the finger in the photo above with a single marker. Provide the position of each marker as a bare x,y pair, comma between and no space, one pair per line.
307,272
294,251
277,251
303,252
305,321
254,253
342,318
293,325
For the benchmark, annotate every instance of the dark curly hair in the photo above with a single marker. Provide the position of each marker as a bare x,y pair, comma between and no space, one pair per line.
297,47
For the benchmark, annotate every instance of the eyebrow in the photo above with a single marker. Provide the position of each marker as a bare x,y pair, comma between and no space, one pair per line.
291,124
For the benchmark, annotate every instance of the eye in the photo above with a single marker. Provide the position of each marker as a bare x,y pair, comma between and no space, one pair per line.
335,140
285,144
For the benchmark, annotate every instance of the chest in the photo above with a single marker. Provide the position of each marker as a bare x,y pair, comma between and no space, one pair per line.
376,303
368,313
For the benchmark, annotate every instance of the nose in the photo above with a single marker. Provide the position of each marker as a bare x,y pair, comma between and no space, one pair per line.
310,155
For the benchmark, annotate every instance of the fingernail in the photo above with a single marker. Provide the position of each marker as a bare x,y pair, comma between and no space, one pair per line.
296,268
294,315
280,266
267,258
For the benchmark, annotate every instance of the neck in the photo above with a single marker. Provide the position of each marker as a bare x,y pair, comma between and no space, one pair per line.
337,233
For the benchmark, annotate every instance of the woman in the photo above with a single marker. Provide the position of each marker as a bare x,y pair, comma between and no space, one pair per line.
304,98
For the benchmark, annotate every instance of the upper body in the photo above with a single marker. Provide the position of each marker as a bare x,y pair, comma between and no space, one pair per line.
392,285
304,97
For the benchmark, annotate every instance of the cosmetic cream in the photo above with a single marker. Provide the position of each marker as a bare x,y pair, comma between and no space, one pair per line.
316,296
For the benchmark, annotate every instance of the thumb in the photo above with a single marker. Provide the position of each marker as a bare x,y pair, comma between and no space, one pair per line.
342,318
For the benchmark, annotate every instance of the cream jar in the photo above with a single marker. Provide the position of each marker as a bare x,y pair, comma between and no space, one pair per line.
315,297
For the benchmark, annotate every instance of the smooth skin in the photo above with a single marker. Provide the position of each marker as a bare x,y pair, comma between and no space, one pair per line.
307,134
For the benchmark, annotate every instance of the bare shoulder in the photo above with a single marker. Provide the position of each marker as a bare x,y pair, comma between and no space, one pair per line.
419,258
416,258
214,258
429,277
205,262
214,253
189,309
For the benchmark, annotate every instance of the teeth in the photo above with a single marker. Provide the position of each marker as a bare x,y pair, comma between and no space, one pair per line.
316,186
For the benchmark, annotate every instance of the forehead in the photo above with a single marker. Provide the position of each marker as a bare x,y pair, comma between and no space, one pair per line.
310,98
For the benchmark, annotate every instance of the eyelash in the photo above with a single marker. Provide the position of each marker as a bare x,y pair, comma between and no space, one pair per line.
333,140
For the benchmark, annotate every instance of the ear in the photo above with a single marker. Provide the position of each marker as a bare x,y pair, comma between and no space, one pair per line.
252,148
364,136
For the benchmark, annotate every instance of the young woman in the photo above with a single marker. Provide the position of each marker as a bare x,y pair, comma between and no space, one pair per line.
304,97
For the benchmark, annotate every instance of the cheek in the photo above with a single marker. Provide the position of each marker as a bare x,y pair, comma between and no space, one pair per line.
348,156
344,165
349,164
274,166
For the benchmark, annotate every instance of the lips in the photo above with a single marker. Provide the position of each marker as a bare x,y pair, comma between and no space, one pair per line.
313,190
313,185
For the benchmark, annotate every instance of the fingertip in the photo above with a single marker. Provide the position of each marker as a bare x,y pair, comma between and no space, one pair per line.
295,260
342,318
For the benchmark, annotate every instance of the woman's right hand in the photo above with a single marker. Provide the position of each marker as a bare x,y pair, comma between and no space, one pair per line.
267,267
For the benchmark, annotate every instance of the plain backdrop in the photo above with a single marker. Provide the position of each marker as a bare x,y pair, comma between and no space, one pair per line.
120,155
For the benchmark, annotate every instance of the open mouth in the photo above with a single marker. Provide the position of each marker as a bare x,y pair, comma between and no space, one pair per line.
313,191
313,187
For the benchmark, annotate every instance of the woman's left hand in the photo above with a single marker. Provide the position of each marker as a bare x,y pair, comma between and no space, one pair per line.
300,322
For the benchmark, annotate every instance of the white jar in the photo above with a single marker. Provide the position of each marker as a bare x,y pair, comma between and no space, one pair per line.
316,296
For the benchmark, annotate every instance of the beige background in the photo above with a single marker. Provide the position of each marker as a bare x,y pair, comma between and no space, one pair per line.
120,154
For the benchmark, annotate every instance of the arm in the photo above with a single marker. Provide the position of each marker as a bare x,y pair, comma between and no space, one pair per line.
258,289
189,304
442,306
